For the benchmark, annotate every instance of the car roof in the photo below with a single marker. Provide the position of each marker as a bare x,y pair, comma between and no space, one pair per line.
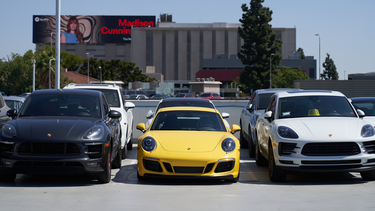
14,98
275,90
102,86
67,91
309,93
357,99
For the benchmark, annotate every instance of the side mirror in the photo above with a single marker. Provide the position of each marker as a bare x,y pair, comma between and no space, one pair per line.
268,114
225,115
149,114
141,127
235,128
129,105
114,114
249,107
361,114
12,112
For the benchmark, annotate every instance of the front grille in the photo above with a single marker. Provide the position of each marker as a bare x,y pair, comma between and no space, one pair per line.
330,161
6,150
46,164
331,149
152,165
224,166
286,148
369,146
191,170
42,148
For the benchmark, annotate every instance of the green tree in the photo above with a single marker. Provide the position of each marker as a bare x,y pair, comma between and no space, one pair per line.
285,76
300,51
329,72
260,43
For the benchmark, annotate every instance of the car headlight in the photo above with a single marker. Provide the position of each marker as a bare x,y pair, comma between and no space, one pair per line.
9,131
367,131
95,132
286,132
228,145
149,144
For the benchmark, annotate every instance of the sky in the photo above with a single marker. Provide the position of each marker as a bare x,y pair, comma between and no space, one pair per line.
345,27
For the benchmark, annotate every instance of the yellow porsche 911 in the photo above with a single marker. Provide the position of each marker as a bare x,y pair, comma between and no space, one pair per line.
188,142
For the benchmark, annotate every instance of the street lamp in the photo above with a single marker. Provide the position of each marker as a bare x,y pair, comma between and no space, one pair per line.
271,69
88,68
319,54
33,61
49,75
100,74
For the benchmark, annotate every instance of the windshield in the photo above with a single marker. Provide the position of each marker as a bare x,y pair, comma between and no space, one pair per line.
315,106
367,106
62,105
188,120
263,101
112,97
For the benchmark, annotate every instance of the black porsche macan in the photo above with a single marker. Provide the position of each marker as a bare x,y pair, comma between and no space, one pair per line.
61,131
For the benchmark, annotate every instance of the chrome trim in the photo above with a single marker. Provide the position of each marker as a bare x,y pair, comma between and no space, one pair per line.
227,159
7,142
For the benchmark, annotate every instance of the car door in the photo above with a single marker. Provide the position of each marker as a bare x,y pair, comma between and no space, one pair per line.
246,115
267,124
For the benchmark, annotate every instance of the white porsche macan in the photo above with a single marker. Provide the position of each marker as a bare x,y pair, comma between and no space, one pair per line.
314,131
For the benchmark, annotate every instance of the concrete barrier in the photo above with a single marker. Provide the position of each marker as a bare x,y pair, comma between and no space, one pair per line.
232,107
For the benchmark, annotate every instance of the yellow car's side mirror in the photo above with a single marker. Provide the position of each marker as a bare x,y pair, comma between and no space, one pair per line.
235,128
141,127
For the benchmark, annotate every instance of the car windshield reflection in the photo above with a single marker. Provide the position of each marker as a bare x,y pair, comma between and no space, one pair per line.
315,106
62,105
188,120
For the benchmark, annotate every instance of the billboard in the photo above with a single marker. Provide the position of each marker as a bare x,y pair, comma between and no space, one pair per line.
88,29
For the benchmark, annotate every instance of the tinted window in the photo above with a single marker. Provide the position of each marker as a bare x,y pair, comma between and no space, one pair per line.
314,106
112,96
188,120
366,106
263,100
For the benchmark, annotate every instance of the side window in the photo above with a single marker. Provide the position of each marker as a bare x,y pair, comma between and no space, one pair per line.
272,106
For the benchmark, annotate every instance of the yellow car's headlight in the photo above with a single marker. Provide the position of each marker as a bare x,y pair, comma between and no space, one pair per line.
149,144
228,145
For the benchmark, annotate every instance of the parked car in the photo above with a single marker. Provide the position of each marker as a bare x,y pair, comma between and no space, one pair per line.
184,95
14,102
26,94
159,96
183,102
3,111
367,105
116,102
314,131
210,95
61,131
205,147
249,116
138,97
3,94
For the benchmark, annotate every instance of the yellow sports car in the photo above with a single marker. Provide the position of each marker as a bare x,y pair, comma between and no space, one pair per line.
188,142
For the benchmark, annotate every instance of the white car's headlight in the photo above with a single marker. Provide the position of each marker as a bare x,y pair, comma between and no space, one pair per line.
95,132
9,131
228,145
286,132
367,131
149,144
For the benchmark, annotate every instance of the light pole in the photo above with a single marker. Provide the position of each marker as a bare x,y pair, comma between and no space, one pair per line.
319,54
33,61
100,74
88,68
50,72
271,69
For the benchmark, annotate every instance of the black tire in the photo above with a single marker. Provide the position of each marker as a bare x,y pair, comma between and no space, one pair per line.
273,171
117,161
124,152
139,177
251,147
243,141
259,159
368,175
7,177
105,176
129,146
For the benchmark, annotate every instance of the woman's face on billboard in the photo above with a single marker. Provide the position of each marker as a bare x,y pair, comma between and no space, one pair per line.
73,26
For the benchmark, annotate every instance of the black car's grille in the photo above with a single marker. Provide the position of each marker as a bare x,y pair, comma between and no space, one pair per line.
369,146
43,148
191,170
331,149
6,150
224,166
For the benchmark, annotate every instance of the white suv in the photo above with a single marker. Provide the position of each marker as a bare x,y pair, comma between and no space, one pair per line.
117,102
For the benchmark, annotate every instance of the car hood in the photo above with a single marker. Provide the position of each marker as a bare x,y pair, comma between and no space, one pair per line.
194,141
45,128
326,128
